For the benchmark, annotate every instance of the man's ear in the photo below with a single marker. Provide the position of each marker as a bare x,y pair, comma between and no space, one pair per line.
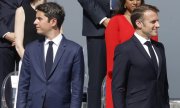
139,23
53,22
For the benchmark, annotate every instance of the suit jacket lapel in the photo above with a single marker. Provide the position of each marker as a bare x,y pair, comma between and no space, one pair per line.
155,45
143,51
58,56
41,63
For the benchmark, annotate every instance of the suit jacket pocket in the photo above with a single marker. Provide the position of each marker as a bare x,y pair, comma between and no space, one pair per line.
137,94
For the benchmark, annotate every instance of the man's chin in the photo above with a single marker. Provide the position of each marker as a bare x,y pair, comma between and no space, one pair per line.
154,34
39,32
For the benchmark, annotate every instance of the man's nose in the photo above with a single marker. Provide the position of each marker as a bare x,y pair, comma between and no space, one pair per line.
35,22
157,24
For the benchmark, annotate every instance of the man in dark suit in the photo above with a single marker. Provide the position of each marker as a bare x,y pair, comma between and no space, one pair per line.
96,15
7,51
52,72
139,75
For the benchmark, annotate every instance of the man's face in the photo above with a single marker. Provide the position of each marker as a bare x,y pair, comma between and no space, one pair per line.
132,4
150,24
43,26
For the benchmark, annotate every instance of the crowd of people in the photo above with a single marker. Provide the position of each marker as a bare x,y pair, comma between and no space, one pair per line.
122,44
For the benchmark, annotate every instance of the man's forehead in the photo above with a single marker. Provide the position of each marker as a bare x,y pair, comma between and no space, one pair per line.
149,13
39,13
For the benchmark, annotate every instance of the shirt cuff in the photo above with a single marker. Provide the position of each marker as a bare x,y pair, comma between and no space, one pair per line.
102,20
5,34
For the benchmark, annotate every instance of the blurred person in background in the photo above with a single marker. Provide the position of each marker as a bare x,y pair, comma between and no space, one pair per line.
96,16
25,30
8,55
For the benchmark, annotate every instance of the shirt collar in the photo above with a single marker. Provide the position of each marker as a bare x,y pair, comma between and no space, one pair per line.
140,38
56,40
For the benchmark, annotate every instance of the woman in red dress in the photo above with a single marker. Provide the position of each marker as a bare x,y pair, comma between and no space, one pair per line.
118,31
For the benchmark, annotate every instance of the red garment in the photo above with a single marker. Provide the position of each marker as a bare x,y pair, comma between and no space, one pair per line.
118,31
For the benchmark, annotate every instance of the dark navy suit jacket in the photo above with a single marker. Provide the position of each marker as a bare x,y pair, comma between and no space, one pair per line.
135,82
7,15
93,12
63,88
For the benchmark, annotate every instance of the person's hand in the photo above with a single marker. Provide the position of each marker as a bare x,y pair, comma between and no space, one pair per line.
106,21
13,43
10,37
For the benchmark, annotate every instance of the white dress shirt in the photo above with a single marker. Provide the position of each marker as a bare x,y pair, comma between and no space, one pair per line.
143,40
57,41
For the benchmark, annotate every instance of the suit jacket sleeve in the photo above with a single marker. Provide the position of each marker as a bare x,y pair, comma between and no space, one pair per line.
77,79
166,81
24,81
119,77
5,18
7,13
3,27
93,9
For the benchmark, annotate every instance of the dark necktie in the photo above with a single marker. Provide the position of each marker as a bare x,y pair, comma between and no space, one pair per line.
153,56
49,58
